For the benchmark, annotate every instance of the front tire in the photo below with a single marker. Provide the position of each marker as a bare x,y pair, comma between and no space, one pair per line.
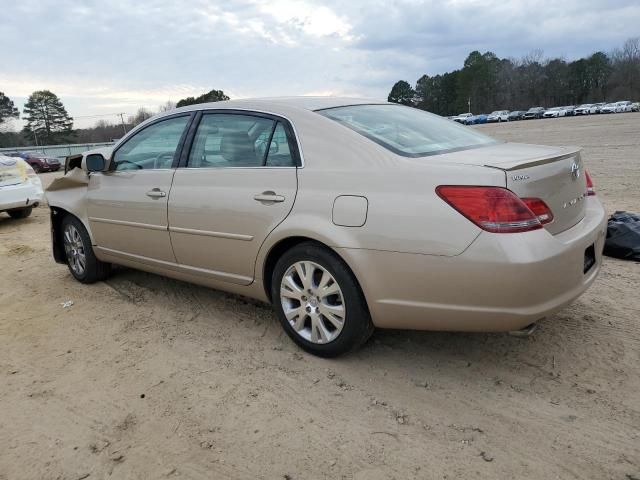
319,301
81,260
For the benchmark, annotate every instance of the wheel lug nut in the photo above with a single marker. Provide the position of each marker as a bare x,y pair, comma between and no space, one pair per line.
309,309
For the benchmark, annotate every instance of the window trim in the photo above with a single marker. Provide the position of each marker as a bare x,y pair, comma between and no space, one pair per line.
294,146
179,149
269,140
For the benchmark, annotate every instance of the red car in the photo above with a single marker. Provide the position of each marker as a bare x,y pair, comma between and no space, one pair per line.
39,161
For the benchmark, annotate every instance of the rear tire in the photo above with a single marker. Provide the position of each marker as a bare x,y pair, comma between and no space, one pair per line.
81,260
20,212
319,301
36,168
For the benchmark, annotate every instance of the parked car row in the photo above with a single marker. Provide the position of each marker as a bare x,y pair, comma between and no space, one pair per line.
620,107
39,161
542,112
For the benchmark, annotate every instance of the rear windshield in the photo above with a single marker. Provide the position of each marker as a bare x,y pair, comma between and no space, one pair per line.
407,131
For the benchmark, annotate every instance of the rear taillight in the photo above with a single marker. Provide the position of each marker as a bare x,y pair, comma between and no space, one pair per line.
30,171
494,209
590,190
539,209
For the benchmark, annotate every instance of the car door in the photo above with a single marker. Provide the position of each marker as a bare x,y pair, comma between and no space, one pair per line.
127,205
239,183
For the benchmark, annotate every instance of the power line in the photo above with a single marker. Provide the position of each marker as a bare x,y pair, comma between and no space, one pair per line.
119,114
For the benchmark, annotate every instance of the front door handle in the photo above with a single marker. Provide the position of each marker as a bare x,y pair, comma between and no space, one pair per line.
156,193
268,196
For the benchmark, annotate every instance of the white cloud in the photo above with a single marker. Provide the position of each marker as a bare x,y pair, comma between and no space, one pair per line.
131,53
311,19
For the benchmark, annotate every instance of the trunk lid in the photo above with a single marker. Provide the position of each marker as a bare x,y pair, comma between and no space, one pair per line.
12,172
553,174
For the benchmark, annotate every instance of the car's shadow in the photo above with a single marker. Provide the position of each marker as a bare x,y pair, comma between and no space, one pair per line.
6,222
400,347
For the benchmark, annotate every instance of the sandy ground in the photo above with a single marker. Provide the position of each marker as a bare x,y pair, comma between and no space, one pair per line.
145,377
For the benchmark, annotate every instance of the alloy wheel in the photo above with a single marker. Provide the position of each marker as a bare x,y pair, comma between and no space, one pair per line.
312,302
74,248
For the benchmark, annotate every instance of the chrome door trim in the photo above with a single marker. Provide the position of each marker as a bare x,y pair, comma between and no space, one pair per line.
128,224
208,233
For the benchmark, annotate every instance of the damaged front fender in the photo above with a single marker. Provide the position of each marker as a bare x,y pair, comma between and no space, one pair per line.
67,196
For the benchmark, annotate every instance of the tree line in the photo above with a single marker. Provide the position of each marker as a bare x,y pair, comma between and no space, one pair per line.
490,83
48,123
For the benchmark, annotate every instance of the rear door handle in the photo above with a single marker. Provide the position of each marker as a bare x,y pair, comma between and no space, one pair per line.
268,197
156,193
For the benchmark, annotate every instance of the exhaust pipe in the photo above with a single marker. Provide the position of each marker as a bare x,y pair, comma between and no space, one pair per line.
526,331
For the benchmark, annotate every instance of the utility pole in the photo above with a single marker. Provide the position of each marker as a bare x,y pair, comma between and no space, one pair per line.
469,105
123,125
35,136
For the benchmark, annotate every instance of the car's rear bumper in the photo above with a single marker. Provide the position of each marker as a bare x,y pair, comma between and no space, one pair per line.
501,282
19,196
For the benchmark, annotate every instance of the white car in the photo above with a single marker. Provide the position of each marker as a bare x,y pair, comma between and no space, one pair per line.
610,108
462,117
498,116
555,112
624,106
20,187
586,109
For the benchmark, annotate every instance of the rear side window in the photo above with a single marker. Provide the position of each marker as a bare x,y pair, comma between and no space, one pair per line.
407,131
236,140
279,153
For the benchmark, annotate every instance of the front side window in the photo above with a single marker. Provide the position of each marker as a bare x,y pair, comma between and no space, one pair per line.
153,147
407,131
235,140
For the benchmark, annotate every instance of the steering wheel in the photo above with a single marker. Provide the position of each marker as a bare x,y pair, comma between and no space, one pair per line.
157,161
130,163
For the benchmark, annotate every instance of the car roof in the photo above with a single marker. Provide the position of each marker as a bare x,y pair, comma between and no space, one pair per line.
276,104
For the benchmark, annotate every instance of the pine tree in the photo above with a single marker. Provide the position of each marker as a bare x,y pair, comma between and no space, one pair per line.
402,93
47,121
212,96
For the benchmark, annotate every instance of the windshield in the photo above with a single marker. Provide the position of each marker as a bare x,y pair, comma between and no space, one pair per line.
407,131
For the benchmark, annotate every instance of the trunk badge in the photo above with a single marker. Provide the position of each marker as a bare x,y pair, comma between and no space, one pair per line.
517,178
575,170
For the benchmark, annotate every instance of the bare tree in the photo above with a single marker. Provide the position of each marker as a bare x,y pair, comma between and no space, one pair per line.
167,106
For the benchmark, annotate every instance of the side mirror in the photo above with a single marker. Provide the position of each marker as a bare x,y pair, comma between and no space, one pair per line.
95,162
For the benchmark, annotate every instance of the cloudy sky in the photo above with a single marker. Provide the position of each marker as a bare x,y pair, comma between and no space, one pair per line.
118,55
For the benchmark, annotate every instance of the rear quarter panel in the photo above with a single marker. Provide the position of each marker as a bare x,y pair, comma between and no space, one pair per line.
404,213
